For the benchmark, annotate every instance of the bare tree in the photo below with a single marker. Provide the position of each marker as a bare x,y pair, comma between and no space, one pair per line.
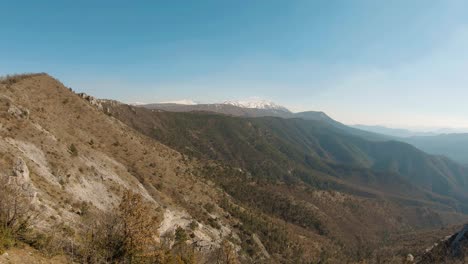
16,210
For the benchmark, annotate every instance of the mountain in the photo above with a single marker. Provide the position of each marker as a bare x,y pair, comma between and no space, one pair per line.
100,181
394,132
262,109
453,145
321,116
257,104
181,102
312,144
77,180
452,249
228,108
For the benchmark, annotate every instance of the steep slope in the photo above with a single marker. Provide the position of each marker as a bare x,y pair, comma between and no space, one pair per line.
287,149
321,116
77,161
264,190
226,109
282,167
452,249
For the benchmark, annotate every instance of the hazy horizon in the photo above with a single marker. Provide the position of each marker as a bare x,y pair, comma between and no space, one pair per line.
398,64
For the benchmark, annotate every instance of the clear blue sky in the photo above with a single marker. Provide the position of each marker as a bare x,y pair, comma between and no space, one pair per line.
401,63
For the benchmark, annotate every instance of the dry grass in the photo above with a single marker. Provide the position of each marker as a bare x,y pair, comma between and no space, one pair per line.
14,78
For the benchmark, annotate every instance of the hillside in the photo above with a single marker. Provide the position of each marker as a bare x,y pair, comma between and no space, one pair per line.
291,149
238,110
225,108
453,146
218,188
451,249
294,157
77,162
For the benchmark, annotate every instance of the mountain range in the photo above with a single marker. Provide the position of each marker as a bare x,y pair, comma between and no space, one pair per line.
449,145
223,183
452,145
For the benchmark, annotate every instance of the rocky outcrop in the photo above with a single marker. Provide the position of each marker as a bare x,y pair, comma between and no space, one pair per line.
18,112
261,246
21,171
454,249
92,100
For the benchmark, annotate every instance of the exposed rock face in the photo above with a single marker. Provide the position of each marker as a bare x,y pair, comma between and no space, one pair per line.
18,112
21,171
92,100
205,238
261,246
410,258
460,240
451,250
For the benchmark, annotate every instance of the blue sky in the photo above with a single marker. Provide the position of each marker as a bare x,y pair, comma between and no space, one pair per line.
397,63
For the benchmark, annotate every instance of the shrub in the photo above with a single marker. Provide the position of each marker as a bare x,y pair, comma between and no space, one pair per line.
15,212
123,235
73,150
180,235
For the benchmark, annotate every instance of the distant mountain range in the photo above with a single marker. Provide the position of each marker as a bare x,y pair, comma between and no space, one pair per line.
281,187
311,140
258,104
451,145
395,132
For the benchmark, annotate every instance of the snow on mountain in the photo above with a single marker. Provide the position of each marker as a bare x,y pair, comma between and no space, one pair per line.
250,103
181,102
137,103
258,104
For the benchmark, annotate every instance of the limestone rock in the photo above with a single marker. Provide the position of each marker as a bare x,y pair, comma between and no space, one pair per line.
21,170
92,100
18,112
410,258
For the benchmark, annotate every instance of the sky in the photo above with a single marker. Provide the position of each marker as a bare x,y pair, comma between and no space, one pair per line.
397,63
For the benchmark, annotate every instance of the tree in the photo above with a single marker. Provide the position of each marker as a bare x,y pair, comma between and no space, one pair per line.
226,254
124,235
15,210
139,226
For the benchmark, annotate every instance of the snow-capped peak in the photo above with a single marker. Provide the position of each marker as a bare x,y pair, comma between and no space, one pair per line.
258,104
136,103
181,102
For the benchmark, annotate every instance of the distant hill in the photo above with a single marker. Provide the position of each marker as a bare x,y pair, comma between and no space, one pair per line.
303,189
225,108
292,149
265,110
454,146
394,132
451,145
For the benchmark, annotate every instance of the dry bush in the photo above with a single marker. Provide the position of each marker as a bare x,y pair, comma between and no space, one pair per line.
16,212
14,78
124,235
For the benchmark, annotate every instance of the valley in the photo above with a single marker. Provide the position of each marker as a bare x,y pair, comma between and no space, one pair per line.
225,188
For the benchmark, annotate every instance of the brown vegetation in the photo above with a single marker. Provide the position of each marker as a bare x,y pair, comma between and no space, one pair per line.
16,212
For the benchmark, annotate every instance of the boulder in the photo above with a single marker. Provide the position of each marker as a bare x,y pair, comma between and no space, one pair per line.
410,258
18,112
